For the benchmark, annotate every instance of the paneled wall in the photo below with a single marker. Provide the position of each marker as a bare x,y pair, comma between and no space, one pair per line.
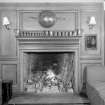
9,45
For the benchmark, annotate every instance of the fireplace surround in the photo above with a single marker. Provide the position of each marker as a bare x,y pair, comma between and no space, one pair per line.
29,43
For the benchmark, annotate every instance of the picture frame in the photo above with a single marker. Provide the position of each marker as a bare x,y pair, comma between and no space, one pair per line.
91,42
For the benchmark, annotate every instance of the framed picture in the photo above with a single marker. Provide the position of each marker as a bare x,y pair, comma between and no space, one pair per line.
91,42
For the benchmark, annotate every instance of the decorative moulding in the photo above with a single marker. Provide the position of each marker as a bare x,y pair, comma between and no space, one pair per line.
48,35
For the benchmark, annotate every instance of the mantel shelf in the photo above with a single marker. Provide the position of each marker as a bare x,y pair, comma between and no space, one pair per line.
48,35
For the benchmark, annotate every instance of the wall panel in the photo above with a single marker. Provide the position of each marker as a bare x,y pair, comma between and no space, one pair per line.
65,20
9,72
8,40
83,66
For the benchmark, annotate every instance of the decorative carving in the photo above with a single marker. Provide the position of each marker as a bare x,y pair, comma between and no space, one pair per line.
47,18
51,34
61,36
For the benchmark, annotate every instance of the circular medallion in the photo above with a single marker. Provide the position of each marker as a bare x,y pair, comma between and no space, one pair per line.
47,18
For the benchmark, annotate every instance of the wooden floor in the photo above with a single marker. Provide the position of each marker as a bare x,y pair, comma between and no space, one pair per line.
48,99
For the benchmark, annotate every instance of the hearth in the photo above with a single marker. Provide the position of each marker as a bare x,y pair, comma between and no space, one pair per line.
49,72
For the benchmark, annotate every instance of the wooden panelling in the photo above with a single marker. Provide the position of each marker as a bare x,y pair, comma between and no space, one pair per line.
65,20
7,37
9,72
95,31
83,66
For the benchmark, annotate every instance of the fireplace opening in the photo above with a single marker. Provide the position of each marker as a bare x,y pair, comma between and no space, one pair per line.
49,72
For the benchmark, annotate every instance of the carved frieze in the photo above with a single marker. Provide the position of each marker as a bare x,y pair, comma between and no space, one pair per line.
49,35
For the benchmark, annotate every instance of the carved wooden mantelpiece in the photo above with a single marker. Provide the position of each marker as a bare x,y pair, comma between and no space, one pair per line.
71,37
32,41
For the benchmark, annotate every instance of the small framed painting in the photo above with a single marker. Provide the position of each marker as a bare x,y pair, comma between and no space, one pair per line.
91,42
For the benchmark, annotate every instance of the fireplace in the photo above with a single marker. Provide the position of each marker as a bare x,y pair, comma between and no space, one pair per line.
49,72
48,64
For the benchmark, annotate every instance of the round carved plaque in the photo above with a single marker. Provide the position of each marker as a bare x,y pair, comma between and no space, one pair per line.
47,18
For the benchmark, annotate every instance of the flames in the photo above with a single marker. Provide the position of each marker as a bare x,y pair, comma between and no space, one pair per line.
50,75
